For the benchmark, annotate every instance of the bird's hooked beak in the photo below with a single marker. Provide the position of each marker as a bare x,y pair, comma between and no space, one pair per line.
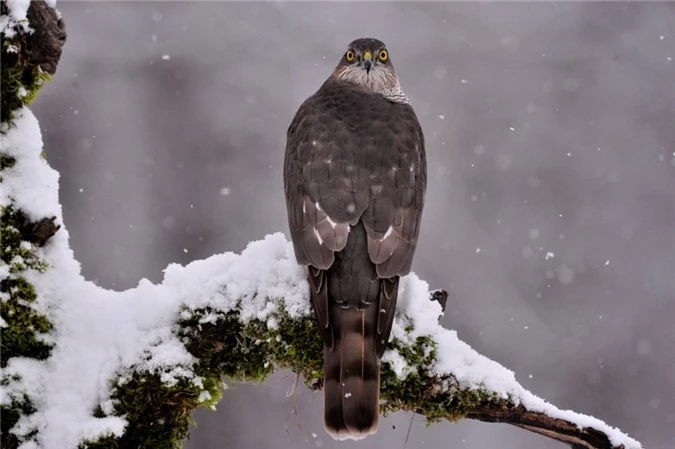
367,61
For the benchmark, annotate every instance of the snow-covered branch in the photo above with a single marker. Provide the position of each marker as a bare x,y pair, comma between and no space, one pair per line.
87,367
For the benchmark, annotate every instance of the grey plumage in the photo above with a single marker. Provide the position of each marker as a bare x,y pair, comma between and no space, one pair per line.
354,178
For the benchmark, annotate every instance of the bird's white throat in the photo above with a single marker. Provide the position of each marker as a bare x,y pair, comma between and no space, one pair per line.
379,80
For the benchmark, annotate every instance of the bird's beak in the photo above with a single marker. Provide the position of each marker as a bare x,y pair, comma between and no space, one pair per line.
367,61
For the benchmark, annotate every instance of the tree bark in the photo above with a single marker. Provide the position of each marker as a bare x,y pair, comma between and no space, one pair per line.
536,422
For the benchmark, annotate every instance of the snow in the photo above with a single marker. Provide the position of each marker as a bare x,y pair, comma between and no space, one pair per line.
18,11
35,188
103,335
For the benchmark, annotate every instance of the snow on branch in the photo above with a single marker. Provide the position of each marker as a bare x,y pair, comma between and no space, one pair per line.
87,367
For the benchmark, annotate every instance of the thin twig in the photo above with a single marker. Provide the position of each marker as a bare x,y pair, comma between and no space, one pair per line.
407,435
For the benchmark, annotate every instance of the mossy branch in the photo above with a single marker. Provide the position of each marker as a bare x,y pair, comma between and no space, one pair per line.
29,55
29,58
149,405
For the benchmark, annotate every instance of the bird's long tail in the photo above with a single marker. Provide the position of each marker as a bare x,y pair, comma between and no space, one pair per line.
352,377
356,309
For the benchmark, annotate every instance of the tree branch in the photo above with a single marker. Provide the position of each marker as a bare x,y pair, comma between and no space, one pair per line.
538,422
163,349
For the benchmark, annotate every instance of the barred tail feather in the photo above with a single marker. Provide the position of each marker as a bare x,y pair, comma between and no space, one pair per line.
352,377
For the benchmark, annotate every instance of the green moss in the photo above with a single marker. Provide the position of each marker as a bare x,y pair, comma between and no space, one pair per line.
21,336
435,397
227,347
15,251
9,415
23,325
298,346
253,351
17,76
6,161
158,415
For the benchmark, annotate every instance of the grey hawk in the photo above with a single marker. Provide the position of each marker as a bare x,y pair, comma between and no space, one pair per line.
354,179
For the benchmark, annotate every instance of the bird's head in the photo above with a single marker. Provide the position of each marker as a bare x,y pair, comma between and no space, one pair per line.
366,63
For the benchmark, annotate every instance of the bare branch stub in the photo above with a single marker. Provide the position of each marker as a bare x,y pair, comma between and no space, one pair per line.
37,232
441,296
43,47
40,231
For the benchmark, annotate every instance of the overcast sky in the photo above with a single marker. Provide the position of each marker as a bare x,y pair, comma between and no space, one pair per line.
550,212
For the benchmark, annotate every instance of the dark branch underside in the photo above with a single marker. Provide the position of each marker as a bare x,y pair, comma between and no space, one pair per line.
557,429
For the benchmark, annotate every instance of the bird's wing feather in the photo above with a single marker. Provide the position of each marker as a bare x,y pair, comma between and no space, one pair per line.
394,212
326,191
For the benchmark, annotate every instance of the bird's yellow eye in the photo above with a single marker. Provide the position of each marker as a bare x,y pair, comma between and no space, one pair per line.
350,56
383,55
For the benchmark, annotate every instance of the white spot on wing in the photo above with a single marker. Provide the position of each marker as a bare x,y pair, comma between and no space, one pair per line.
388,233
318,206
318,236
331,222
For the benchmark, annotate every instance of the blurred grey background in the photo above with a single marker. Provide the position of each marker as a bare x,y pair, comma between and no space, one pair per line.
550,211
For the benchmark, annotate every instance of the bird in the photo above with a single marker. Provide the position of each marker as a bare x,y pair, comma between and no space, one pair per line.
354,180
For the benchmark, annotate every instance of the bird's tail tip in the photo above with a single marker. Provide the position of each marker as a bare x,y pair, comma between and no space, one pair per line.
343,433
355,416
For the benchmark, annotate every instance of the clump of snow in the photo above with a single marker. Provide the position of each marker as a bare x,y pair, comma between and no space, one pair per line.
17,15
102,335
250,282
17,9
33,185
